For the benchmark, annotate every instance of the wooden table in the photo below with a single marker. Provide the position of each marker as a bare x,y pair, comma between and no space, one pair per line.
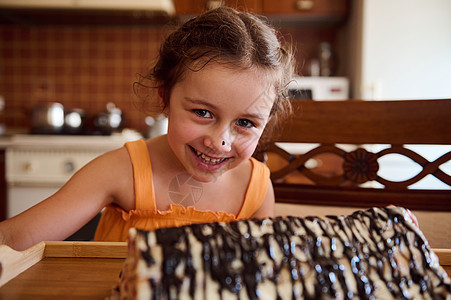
66,270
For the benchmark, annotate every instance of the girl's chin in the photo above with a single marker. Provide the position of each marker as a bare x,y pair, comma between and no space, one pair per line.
204,179
206,175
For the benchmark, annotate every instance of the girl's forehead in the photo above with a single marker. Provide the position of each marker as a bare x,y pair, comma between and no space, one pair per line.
234,88
231,67
225,74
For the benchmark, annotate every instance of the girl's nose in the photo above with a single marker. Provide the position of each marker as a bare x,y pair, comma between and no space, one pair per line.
219,142
226,146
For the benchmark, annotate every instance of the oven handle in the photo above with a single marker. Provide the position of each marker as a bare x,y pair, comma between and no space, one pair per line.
34,184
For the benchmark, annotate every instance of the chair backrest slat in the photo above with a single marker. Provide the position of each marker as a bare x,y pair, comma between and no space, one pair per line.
369,122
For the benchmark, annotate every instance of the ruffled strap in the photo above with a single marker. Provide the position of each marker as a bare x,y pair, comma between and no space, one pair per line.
256,191
142,175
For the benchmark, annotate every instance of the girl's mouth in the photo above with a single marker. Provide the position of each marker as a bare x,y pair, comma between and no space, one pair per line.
208,159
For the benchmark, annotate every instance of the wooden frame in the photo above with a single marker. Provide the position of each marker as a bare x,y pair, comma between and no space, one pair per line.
360,123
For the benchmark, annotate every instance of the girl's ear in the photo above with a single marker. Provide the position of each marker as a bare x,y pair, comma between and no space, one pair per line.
163,106
161,93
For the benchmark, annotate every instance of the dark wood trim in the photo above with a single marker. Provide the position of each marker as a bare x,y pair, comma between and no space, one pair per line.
429,200
369,122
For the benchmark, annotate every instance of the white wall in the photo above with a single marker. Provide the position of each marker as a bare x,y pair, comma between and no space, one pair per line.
406,49
401,49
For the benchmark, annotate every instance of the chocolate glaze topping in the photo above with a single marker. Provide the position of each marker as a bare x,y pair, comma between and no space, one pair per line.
350,257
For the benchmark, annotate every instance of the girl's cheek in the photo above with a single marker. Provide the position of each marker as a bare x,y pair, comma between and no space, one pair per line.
192,130
247,143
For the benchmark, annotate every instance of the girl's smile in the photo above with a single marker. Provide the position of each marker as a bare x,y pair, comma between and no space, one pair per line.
209,163
208,159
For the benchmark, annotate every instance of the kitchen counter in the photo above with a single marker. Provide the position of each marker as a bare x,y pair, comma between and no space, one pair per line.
69,141
8,133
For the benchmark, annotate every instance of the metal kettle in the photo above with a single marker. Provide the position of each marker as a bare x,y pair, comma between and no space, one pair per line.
109,120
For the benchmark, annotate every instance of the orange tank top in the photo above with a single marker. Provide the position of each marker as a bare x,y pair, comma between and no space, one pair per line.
116,222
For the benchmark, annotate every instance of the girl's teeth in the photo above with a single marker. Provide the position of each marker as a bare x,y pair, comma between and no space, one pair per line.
208,159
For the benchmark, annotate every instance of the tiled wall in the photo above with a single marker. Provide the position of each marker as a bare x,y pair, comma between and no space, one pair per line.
89,66
80,67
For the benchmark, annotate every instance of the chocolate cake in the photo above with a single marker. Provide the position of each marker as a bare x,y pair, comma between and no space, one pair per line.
372,254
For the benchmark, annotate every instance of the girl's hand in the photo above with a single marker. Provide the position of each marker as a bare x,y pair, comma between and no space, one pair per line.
408,215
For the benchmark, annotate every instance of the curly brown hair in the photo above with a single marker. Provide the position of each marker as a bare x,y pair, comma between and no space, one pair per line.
229,37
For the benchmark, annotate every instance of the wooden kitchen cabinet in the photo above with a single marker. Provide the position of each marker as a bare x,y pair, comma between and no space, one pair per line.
195,7
306,8
161,5
307,23
281,8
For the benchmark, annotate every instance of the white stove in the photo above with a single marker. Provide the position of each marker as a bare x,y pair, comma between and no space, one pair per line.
38,165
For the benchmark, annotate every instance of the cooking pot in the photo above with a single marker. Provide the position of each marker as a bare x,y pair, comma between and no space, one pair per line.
48,118
109,120
74,121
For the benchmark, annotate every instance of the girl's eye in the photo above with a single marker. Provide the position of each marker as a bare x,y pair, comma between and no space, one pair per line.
245,123
202,113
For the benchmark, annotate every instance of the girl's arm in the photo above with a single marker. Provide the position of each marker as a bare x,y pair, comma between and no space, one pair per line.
106,179
267,208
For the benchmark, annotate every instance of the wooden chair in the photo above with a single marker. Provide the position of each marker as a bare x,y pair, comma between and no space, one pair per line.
332,125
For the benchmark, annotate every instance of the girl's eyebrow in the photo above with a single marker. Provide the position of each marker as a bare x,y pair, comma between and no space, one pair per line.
202,102
247,115
253,116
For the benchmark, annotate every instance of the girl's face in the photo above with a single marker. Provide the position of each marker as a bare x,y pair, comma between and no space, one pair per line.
216,117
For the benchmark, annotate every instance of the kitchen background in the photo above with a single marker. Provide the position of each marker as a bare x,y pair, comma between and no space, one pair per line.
86,63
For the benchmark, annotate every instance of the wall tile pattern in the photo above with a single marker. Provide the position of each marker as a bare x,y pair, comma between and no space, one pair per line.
86,67
80,67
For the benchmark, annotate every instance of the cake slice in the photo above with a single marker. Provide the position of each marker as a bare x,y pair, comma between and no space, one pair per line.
372,254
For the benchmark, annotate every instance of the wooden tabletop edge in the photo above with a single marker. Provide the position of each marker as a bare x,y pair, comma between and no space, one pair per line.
86,249
444,256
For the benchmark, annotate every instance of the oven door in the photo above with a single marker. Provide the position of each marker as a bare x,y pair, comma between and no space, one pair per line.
33,175
20,198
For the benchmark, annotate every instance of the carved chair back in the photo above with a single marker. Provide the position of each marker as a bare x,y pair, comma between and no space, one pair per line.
330,152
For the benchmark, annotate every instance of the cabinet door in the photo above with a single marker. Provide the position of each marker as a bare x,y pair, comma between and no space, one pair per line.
37,4
307,8
195,7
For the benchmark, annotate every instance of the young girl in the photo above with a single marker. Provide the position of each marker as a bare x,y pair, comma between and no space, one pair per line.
220,80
